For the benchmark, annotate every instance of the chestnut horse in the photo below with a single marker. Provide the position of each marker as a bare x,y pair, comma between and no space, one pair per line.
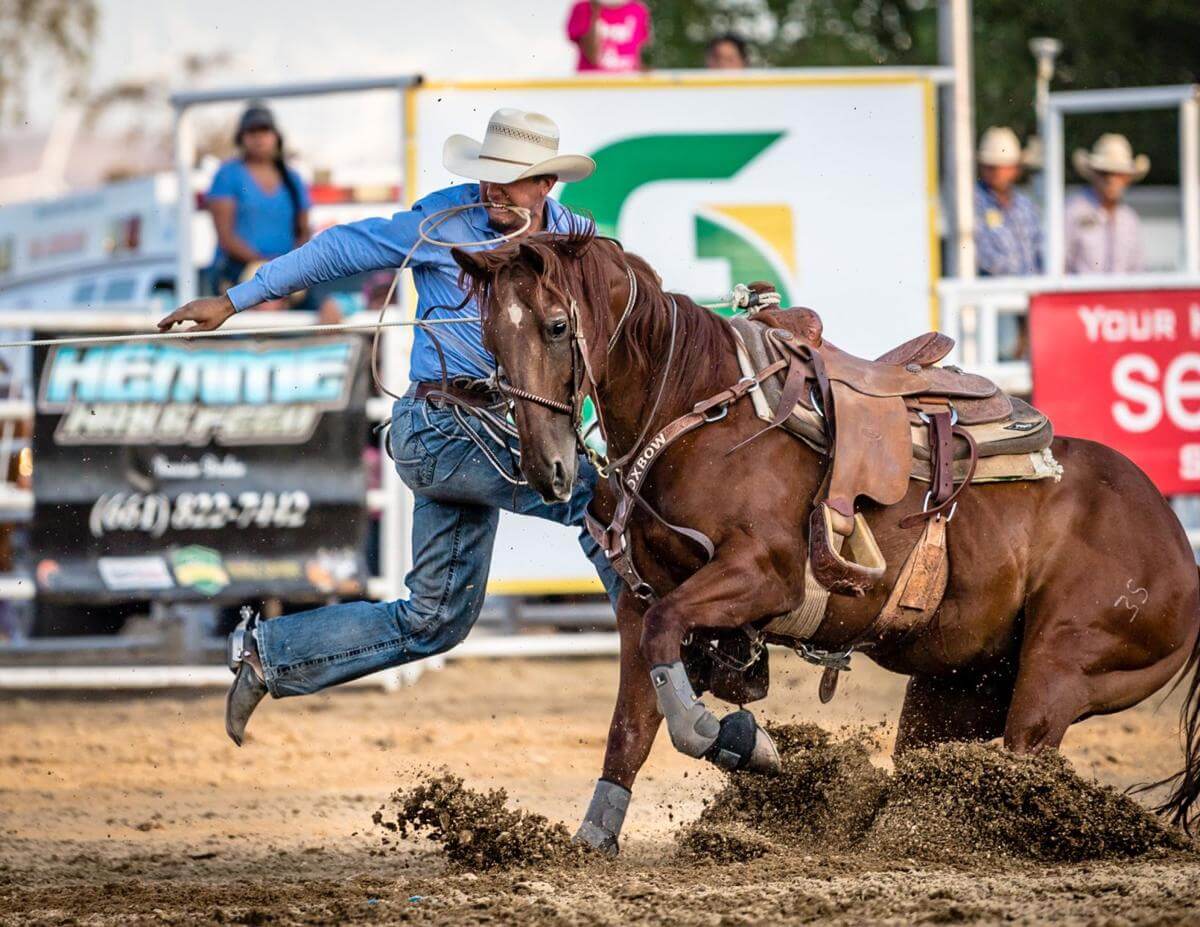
1066,598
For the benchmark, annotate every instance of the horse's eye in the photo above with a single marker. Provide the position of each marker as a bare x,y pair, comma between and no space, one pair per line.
557,329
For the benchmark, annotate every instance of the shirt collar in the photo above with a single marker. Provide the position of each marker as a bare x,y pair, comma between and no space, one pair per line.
993,200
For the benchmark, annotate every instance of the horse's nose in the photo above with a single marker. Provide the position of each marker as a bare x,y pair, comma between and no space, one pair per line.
559,481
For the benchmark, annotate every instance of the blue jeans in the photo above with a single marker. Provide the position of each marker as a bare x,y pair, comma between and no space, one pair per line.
458,497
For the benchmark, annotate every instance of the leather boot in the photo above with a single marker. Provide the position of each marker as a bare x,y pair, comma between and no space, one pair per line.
248,687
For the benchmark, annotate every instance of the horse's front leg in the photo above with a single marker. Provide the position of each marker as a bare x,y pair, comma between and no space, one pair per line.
738,586
635,723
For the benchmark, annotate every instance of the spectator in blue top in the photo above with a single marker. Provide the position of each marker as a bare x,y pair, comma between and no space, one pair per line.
259,205
1008,229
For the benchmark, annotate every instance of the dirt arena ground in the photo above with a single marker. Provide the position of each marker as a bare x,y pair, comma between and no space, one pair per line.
128,809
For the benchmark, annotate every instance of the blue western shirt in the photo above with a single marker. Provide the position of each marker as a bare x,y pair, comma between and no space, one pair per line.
1008,241
266,223
372,244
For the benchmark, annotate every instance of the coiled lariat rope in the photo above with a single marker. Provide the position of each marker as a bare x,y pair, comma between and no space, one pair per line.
423,233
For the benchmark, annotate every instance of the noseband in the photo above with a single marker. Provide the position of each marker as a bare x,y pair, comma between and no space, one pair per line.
515,392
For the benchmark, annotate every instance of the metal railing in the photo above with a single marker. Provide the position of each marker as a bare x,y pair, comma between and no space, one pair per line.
1185,98
975,312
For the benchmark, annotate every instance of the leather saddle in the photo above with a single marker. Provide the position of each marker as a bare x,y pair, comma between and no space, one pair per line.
881,423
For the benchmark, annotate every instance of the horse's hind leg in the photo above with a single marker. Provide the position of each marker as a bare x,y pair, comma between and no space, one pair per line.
1073,666
941,709
1049,697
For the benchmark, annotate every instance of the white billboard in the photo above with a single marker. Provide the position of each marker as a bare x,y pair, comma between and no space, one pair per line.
826,186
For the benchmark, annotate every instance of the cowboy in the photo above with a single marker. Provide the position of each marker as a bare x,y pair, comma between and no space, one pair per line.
458,493
1008,230
1103,234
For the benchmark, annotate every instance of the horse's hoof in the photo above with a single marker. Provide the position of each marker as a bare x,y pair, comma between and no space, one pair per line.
764,758
598,839
743,746
604,819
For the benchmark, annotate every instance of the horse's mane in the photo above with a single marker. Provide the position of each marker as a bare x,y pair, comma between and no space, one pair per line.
578,264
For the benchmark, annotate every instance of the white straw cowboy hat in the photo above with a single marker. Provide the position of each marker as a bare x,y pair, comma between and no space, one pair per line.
516,145
999,147
1111,154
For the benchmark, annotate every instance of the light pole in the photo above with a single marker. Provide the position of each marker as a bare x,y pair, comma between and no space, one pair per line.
1045,52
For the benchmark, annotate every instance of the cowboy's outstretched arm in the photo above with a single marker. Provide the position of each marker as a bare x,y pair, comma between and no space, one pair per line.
341,251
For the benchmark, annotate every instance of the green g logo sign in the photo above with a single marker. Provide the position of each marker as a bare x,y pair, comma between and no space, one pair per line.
756,240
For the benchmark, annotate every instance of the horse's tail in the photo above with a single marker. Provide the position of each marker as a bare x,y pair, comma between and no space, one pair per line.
1185,784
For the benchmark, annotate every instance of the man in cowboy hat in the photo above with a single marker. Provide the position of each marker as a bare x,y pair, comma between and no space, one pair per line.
1008,230
458,494
1103,234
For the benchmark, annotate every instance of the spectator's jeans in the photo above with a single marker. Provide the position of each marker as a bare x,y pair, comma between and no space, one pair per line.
458,498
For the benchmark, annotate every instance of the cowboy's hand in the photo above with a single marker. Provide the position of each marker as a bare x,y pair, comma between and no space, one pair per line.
207,313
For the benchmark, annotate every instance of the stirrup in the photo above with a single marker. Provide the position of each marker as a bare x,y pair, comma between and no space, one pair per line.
853,575
237,640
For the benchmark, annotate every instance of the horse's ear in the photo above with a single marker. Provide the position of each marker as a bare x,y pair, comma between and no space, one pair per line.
531,256
473,264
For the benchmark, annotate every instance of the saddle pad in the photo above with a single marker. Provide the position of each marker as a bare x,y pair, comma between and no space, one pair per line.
1001,468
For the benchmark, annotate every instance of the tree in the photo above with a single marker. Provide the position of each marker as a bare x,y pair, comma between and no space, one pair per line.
1117,43
60,30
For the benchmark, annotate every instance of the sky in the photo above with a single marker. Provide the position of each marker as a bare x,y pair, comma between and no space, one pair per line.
278,41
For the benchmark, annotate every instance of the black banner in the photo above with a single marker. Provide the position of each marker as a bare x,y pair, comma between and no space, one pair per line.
215,469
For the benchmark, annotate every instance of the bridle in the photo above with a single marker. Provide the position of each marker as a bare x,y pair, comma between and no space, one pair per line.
583,377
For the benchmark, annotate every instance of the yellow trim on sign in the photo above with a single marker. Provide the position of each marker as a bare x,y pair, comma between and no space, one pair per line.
410,184
410,145
578,586
653,81
931,183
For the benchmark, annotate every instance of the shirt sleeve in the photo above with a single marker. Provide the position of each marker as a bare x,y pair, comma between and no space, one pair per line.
579,20
224,182
341,251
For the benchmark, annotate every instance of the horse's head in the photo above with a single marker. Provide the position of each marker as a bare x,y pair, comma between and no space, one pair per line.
525,298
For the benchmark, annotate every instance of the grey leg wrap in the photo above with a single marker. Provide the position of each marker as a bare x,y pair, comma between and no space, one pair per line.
693,727
604,818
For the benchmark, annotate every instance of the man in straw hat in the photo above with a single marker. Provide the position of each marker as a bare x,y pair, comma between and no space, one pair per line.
1103,234
458,494
1008,230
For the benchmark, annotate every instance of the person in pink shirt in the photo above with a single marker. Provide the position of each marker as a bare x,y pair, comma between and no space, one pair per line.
610,34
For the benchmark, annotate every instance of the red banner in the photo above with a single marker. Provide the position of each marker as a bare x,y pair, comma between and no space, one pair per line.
1123,368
